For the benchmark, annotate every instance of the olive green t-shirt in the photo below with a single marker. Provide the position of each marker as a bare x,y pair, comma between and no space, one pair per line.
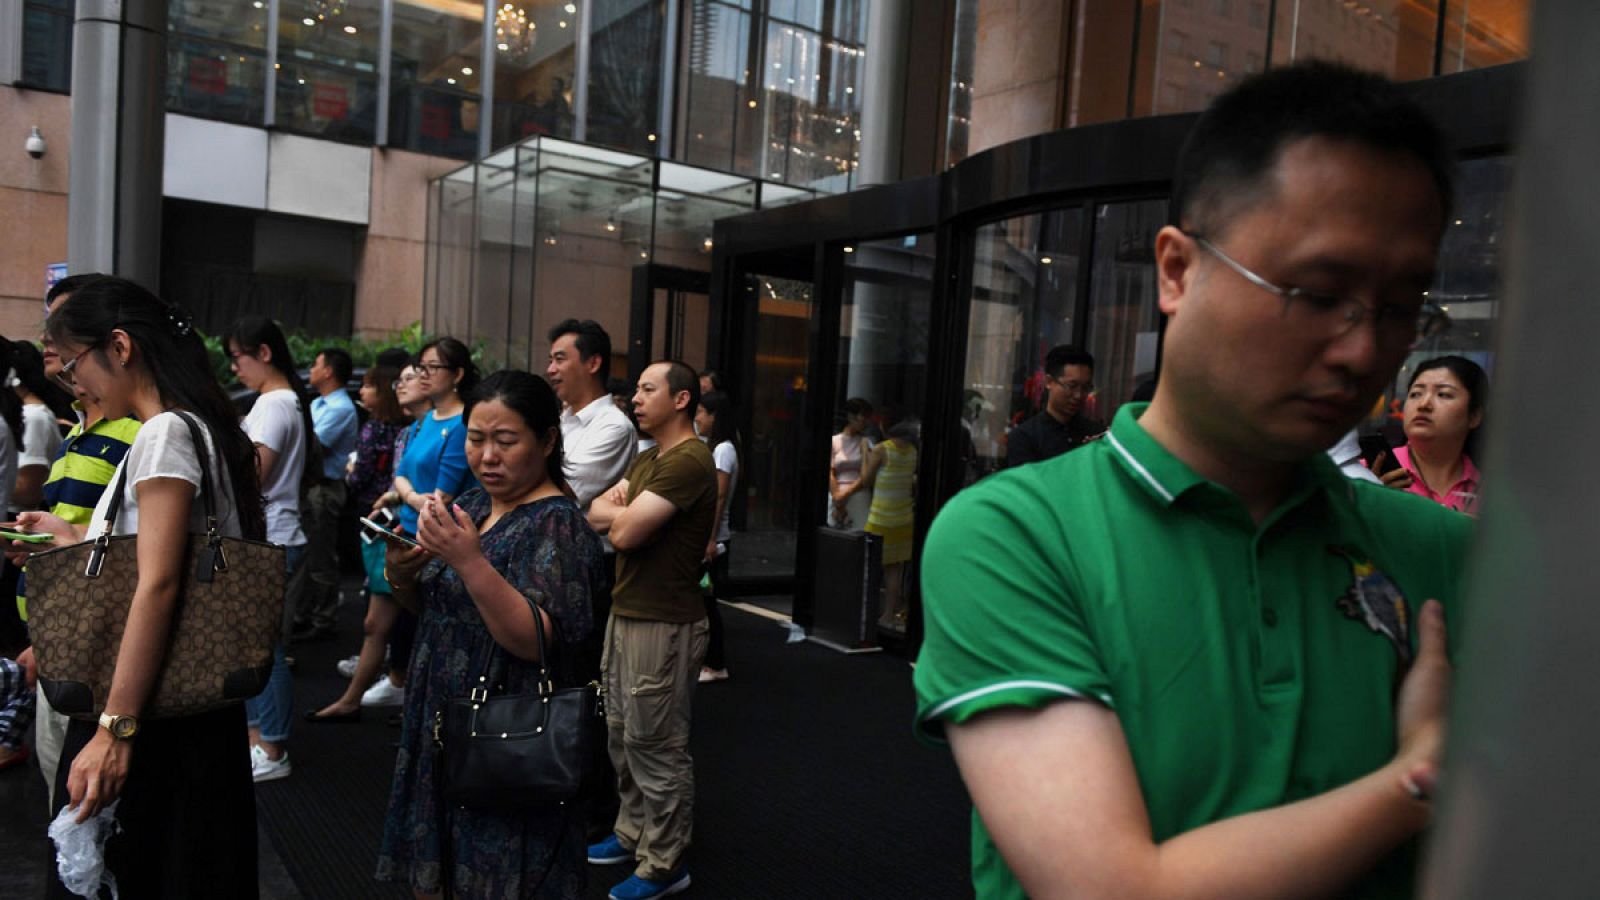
661,580
1250,665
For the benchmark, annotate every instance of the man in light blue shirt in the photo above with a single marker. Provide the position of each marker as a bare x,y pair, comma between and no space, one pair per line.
333,417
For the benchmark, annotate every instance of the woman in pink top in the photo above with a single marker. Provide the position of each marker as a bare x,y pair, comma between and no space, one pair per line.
1443,411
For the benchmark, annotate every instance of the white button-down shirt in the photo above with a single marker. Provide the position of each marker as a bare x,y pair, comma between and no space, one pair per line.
597,445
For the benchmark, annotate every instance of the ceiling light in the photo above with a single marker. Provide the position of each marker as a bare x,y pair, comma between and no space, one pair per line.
752,104
849,249
650,137
466,70
707,243
308,21
562,23
571,7
1045,260
611,223
450,81
349,29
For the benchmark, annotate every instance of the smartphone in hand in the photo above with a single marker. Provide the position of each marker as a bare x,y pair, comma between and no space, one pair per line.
393,537
1375,449
31,537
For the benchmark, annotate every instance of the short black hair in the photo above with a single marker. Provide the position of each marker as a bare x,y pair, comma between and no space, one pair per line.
682,377
590,340
338,360
70,284
715,377
1226,160
1066,355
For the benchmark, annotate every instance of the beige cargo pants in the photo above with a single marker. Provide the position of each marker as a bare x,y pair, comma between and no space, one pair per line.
650,671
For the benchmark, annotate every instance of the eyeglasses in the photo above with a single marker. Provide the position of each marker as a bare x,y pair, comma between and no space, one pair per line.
65,376
1334,316
1081,388
402,381
428,370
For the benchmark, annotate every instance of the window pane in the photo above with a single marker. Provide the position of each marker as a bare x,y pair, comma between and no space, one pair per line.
1391,37
434,102
775,99
328,69
1024,300
47,44
962,52
1190,53
534,65
625,74
1479,33
883,359
217,59
1124,321
1468,284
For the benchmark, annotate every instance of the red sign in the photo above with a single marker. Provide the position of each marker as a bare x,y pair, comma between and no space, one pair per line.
207,75
329,101
435,121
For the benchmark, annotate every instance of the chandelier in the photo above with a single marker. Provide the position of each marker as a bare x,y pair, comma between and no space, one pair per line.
513,33
325,10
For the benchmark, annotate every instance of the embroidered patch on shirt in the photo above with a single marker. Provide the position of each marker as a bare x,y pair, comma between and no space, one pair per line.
1374,600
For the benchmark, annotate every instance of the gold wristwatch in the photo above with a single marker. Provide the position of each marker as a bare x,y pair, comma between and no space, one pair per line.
123,728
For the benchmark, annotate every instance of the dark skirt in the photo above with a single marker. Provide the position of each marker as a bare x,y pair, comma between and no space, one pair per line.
188,811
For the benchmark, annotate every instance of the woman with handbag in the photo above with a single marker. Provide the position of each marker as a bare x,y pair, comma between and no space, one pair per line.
187,805
506,564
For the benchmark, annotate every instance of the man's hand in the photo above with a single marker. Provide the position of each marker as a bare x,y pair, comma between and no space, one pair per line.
1423,703
618,494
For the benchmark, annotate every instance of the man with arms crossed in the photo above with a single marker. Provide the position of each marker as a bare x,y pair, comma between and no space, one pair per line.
658,519
1260,715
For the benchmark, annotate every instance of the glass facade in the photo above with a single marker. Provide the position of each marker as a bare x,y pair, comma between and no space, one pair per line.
1124,322
217,60
1024,302
624,96
549,229
774,89
435,97
47,44
535,66
327,84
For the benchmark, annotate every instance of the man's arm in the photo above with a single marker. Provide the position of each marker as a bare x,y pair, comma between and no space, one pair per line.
1020,448
597,462
332,422
640,521
1058,793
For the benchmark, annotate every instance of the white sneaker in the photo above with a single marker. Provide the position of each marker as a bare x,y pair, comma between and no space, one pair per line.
265,768
347,666
709,675
384,693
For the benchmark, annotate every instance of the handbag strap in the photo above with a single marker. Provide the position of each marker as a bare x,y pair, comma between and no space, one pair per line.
211,559
495,669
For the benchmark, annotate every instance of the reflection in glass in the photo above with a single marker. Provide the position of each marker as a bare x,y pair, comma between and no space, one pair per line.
776,97
1124,321
959,110
1024,301
767,547
1193,52
1468,283
883,358
1479,33
625,74
47,44
328,69
217,60
434,100
534,65
1394,38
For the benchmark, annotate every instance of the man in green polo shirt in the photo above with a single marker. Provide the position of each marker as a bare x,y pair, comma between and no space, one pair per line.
1192,658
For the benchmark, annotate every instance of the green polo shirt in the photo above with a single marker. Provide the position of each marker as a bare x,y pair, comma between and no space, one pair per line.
1237,657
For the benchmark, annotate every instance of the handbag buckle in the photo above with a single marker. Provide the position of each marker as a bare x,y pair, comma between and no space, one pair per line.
97,556
479,694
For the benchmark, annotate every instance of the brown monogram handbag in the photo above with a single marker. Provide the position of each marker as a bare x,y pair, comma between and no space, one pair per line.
227,616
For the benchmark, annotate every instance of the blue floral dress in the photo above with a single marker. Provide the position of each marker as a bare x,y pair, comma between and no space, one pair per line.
547,551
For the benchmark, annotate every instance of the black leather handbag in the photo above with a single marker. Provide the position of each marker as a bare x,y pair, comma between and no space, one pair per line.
504,751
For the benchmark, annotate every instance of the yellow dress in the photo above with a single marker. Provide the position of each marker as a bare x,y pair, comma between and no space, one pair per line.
892,513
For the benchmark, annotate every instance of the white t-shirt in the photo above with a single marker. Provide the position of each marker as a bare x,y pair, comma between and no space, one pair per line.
275,422
41,436
165,449
8,466
727,460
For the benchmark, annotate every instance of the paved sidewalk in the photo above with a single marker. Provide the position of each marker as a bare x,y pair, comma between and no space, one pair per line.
809,784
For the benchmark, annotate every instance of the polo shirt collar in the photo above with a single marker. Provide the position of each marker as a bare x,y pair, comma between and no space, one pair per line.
1165,477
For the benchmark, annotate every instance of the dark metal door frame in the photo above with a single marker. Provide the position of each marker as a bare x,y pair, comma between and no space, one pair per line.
647,279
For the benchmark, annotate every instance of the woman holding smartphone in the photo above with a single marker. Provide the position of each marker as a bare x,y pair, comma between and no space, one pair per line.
1443,411
187,817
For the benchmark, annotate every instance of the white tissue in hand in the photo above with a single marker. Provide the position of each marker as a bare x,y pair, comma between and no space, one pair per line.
81,850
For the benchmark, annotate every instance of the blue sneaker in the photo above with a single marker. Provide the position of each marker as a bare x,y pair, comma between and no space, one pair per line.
609,851
636,888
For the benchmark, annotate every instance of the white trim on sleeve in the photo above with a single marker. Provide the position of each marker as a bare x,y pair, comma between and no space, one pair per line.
1022,684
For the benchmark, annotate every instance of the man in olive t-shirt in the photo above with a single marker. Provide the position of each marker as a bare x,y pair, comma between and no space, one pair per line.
658,519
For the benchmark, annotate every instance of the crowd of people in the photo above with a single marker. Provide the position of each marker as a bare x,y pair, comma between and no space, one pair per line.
487,502
541,529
